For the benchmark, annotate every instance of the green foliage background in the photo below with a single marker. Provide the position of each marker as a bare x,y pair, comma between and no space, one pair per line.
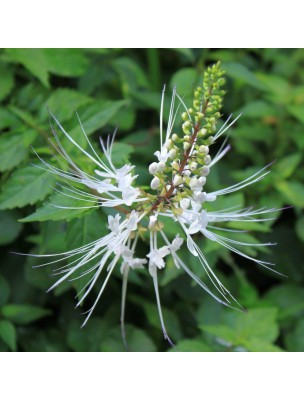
121,87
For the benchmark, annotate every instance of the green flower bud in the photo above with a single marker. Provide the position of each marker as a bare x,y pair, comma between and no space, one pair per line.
185,116
197,104
186,146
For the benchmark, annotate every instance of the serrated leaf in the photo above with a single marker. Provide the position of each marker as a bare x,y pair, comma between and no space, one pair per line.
6,81
296,110
64,102
261,346
51,210
239,329
23,313
26,186
8,334
33,60
66,62
14,148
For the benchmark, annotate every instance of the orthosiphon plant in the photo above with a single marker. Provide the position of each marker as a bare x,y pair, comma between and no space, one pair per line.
177,192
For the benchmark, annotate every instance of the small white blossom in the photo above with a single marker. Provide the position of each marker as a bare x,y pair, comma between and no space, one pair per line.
155,183
153,168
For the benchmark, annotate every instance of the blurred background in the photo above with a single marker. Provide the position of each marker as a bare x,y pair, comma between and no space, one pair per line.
121,88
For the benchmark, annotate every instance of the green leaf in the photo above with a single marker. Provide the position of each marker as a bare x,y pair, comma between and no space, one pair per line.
286,166
258,109
26,186
23,313
64,102
14,148
121,153
7,119
52,210
185,79
66,62
34,60
187,53
6,82
239,329
292,191
9,227
278,87
88,338
8,334
192,345
296,110
241,73
4,290
295,339
260,346
131,75
137,340
288,298
97,115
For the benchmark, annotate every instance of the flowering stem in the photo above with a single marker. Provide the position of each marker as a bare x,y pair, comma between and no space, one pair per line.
184,162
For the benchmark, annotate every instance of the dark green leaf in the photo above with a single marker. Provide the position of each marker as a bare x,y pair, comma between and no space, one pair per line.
97,115
6,81
33,60
63,103
295,339
60,207
26,186
286,166
66,62
240,72
184,80
23,313
9,227
14,148
240,328
292,191
8,334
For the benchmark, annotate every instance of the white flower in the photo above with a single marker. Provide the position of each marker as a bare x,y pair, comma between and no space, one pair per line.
115,185
155,183
162,155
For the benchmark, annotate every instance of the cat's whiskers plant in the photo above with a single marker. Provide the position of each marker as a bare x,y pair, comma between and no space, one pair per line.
177,192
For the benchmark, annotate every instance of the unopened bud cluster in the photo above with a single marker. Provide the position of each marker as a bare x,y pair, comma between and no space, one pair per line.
184,160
